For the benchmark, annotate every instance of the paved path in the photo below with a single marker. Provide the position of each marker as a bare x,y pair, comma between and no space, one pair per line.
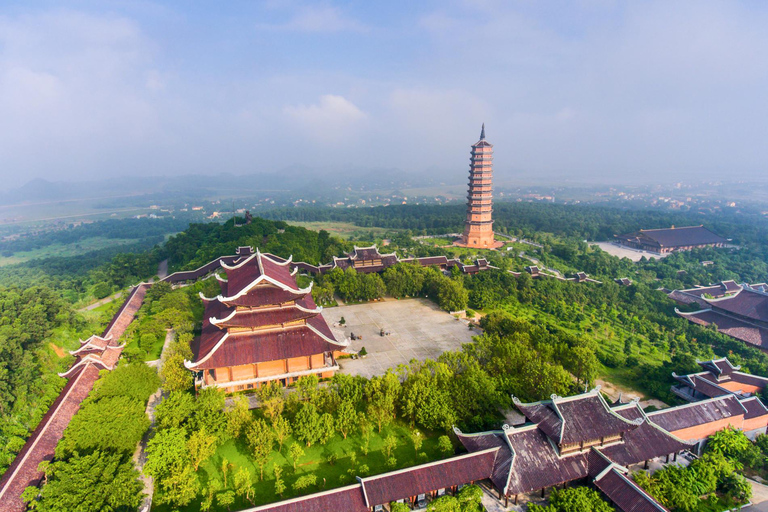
101,302
759,498
140,455
162,270
170,334
418,330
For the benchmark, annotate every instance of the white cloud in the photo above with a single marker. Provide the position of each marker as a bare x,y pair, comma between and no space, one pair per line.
331,120
318,19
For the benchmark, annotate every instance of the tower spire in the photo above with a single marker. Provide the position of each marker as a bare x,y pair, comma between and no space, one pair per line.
482,132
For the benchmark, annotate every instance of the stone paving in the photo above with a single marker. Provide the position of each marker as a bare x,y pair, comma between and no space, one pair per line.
418,330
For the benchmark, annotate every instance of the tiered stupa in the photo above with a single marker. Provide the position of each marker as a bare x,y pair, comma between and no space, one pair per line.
478,228
261,328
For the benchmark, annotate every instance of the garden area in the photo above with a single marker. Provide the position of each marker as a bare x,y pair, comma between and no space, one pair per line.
713,482
205,456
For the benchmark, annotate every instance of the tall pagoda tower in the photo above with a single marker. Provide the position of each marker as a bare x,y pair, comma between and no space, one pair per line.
478,228
262,327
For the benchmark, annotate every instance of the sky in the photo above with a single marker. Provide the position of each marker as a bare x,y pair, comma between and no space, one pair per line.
578,90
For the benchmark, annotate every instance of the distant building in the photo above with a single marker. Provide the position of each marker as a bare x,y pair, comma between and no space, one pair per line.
673,239
742,315
478,227
262,328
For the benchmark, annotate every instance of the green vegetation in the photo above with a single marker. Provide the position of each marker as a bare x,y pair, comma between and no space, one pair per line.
573,499
93,470
710,483
316,438
28,382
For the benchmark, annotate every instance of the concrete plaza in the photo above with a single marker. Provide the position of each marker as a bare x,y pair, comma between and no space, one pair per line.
418,330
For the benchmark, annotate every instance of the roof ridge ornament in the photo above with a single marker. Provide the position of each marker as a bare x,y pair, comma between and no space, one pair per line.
482,132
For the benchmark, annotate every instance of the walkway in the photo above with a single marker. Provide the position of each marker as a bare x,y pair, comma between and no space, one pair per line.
101,302
759,498
41,444
140,455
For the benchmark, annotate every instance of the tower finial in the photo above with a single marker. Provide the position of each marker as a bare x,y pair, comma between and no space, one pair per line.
482,132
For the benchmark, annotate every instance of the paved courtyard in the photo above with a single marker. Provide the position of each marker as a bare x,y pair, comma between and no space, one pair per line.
418,330
627,252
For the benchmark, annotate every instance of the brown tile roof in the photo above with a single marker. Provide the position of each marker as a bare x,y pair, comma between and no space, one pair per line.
408,482
755,408
697,413
266,295
536,464
343,499
745,303
365,253
677,237
625,493
645,442
255,347
484,441
262,317
730,326
704,385
574,419
719,367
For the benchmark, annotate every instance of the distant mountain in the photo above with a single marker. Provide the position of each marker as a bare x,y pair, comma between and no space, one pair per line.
293,178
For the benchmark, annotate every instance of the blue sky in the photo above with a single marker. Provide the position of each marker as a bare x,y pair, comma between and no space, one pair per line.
591,90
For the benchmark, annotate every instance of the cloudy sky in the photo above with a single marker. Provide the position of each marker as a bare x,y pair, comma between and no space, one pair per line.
586,90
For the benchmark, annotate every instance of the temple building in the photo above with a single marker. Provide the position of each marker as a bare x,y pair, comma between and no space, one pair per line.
577,438
672,239
718,378
261,328
580,440
742,315
478,228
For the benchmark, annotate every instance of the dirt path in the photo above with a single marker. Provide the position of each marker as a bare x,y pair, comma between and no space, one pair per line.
59,351
614,392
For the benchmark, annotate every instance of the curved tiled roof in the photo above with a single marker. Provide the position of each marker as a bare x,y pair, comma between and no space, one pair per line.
697,413
747,303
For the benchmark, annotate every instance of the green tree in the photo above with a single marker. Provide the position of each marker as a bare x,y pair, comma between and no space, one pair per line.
279,483
731,442
306,425
169,463
92,482
304,481
296,452
417,439
452,296
346,417
238,416
326,428
282,429
261,438
390,445
244,484
445,445
226,499
201,446
174,374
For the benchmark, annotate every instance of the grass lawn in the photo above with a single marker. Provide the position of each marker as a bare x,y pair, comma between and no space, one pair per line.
345,230
314,461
